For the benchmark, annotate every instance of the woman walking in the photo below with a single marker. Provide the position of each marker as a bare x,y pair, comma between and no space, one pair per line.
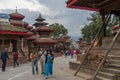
49,64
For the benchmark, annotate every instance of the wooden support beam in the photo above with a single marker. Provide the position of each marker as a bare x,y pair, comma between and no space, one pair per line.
111,5
90,47
103,2
104,27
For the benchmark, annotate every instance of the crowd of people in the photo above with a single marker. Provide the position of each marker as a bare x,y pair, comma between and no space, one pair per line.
71,52
45,56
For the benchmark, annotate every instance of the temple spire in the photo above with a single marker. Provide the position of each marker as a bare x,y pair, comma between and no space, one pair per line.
40,15
16,10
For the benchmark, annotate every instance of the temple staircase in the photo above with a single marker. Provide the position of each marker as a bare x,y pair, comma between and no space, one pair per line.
111,71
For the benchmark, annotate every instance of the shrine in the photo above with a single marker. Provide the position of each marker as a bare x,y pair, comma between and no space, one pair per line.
11,38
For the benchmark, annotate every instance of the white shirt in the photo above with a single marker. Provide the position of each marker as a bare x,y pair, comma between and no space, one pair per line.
43,55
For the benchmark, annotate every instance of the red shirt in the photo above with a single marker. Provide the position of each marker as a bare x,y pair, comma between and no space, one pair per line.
15,55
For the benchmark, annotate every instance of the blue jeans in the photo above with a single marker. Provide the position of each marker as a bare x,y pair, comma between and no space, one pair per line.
3,64
34,64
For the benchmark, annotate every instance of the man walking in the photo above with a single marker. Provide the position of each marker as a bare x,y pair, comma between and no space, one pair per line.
4,56
42,54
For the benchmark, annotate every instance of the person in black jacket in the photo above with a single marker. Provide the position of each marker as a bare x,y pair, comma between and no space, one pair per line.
4,56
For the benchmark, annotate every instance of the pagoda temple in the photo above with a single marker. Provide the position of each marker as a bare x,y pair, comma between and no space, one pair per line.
42,34
10,32
16,19
10,38
10,35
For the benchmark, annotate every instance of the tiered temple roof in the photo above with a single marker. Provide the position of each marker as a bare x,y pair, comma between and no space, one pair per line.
16,16
43,31
41,26
33,37
29,27
40,21
16,19
6,28
45,41
103,6
44,28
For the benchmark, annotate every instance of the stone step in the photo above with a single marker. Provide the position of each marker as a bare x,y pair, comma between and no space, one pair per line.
116,53
106,75
111,70
114,57
114,66
101,78
115,62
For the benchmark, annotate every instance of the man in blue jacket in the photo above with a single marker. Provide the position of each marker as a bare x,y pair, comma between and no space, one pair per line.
4,56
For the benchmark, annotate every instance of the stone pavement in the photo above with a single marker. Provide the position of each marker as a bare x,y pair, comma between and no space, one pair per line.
23,72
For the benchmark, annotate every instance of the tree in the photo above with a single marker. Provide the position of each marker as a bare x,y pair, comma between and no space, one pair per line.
59,30
89,31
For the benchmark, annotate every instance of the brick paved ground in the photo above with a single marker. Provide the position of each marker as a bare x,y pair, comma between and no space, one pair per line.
23,72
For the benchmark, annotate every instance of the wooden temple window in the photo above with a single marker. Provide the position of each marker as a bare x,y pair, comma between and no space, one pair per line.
7,42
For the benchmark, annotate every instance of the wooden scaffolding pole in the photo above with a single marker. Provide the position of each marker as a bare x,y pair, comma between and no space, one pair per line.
90,47
106,54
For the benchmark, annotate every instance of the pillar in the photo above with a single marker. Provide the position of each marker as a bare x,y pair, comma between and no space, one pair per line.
3,43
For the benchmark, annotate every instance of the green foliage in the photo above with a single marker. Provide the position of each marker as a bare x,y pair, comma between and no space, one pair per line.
59,30
89,31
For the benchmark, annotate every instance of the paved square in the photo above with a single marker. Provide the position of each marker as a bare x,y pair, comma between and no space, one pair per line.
61,71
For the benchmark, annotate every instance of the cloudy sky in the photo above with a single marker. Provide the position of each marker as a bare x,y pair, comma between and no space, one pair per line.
54,11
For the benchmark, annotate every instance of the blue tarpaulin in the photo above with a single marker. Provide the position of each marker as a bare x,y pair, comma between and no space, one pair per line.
5,16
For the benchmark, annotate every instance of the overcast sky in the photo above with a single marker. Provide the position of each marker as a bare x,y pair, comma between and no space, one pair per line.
54,11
